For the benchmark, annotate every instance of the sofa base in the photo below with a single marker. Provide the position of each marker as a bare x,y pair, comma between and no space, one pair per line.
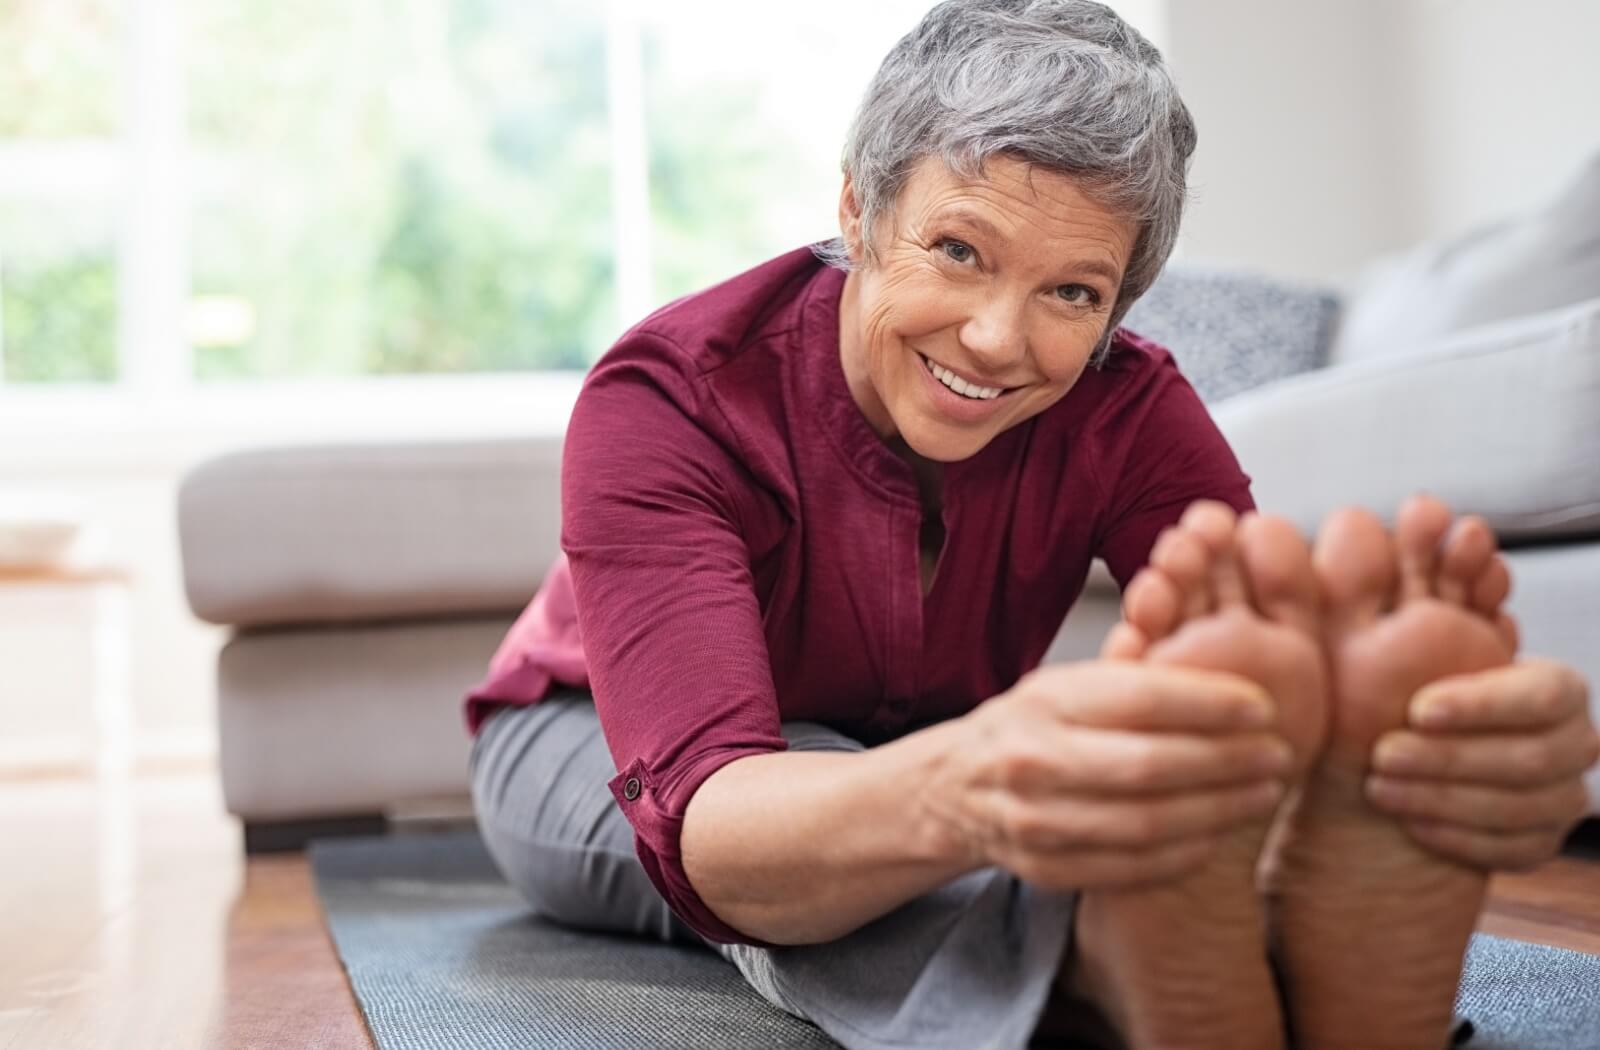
287,836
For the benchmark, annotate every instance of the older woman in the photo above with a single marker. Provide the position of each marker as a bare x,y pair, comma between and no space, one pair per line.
821,521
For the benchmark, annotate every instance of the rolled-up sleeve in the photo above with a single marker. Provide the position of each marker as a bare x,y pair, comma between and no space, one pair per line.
666,601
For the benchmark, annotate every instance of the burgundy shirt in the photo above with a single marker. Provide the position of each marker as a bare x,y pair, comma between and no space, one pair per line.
742,549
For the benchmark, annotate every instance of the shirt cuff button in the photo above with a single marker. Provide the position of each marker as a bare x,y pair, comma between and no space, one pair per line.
630,789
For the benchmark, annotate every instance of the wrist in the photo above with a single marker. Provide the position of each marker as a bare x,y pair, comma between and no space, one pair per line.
940,832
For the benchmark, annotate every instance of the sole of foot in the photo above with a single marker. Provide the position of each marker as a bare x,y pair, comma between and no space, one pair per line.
1369,929
1184,964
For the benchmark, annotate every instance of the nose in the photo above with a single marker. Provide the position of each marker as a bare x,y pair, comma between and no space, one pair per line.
994,334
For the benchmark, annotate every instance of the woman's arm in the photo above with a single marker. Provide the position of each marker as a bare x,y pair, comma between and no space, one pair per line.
801,847
1083,775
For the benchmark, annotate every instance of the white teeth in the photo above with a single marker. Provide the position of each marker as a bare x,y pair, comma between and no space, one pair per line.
961,386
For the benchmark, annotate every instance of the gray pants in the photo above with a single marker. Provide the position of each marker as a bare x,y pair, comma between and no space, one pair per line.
968,965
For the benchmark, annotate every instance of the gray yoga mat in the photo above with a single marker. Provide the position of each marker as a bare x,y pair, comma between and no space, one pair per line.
443,954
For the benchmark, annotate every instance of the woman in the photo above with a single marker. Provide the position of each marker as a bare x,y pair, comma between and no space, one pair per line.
820,522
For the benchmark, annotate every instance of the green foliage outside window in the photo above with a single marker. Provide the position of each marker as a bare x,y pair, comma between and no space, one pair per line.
58,323
386,186
412,187
58,68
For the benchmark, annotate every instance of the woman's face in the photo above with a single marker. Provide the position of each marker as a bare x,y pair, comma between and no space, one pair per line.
1002,286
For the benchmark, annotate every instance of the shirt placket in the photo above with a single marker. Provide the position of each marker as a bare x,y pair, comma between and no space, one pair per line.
905,617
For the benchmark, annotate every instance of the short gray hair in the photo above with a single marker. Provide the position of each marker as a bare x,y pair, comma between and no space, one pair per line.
1066,85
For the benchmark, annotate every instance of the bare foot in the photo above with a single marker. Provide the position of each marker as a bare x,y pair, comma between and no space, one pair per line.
1370,929
1184,964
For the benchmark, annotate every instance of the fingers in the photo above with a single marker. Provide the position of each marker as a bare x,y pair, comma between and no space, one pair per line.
1481,809
1529,694
1051,824
1057,760
1136,696
1519,851
1522,760
1119,868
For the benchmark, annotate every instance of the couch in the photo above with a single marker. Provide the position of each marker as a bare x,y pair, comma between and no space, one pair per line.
366,585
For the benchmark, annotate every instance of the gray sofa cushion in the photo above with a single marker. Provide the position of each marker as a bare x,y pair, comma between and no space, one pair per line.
324,722
1531,264
369,531
1501,421
1231,332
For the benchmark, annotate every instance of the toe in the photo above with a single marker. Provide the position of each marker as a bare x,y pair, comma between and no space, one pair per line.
1354,561
1492,587
1277,563
1469,548
1510,634
1216,525
1419,531
1153,604
1183,558
1124,642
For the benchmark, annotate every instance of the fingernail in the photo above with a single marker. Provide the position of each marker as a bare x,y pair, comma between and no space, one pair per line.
1431,713
1259,712
1277,758
1396,756
1381,790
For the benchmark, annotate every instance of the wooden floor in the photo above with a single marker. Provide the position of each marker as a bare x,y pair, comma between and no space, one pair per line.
129,919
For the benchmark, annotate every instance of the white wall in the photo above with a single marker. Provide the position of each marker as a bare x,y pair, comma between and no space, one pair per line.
1506,103
1299,152
1331,133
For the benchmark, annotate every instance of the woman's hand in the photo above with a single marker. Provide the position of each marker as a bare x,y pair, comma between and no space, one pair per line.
1106,774
1489,771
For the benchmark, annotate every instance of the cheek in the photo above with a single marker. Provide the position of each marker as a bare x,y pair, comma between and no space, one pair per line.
1063,353
909,314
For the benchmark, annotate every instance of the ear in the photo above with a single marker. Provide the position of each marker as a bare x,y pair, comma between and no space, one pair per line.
850,219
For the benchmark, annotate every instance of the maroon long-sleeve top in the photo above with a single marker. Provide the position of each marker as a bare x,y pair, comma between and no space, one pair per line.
741,548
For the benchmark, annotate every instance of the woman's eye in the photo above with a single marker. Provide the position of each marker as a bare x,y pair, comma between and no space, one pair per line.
957,251
1078,295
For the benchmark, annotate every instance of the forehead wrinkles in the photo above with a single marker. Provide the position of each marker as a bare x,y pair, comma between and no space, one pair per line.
1048,209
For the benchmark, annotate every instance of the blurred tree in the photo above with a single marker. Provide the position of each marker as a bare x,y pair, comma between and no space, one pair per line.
720,158
388,186
59,68
420,187
58,322
59,64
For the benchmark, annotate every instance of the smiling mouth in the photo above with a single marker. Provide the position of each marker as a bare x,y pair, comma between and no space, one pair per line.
970,391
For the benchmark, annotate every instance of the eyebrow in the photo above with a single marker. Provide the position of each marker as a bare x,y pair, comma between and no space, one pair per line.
1097,267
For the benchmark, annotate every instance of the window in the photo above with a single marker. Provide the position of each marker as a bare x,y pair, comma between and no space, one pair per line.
58,247
280,189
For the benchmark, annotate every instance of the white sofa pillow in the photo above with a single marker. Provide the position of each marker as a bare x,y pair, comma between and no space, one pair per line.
1503,420
1532,264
